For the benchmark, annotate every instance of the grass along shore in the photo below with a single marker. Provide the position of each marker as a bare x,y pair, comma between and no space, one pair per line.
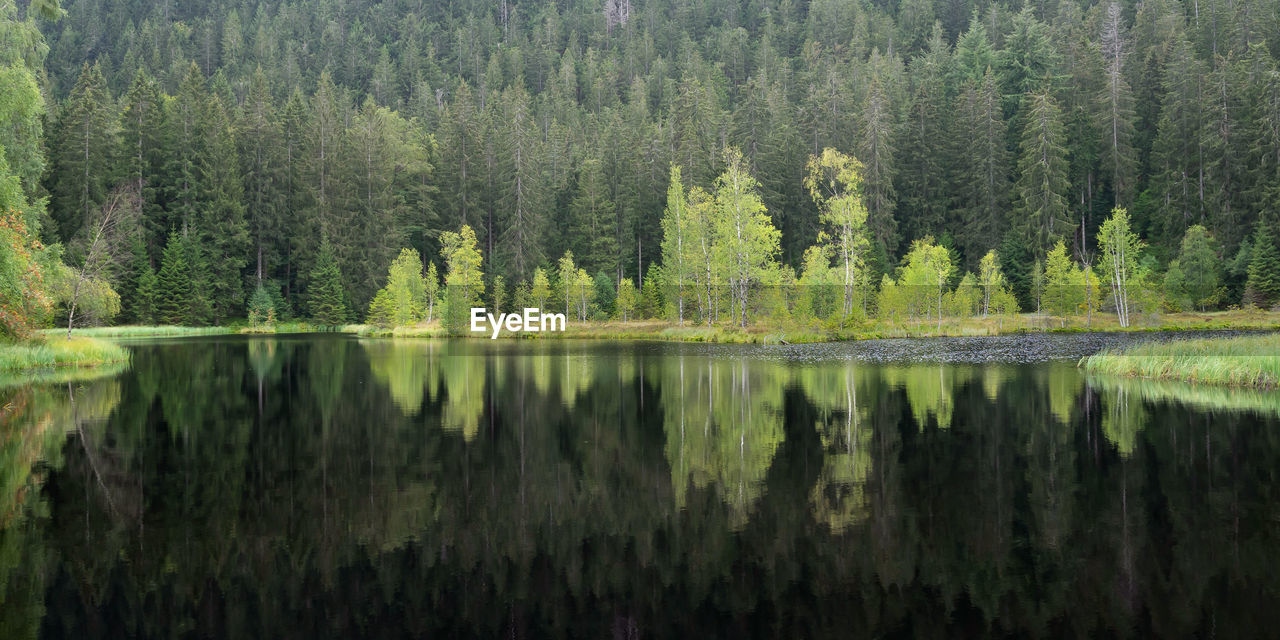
764,332
1247,361
48,352
767,332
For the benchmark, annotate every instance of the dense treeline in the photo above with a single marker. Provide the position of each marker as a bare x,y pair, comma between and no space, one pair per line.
255,132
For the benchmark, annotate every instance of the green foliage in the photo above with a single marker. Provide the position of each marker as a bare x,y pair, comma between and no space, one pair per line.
605,294
996,297
1121,250
431,290
1263,286
1241,360
746,242
834,181
499,295
626,299
1042,164
145,295
678,251
923,280
326,301
84,141
382,310
965,300
822,292
566,272
175,293
560,131
540,290
1064,292
1193,279
24,299
652,293
96,301
463,279
261,307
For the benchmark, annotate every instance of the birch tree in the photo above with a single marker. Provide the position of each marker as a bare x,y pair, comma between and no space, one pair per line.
747,240
1121,249
105,239
990,278
676,249
834,182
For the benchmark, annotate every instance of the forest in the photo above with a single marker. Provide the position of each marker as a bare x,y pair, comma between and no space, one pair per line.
196,163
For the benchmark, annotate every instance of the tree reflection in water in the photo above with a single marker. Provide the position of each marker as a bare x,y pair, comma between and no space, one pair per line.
333,487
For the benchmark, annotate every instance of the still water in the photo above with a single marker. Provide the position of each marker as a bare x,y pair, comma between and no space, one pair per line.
335,487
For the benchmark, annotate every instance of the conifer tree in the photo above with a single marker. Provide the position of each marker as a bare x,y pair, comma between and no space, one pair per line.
325,298
84,142
142,151
1193,277
1042,184
605,294
981,180
261,308
1116,105
219,216
924,149
144,296
174,284
877,151
1263,285
594,218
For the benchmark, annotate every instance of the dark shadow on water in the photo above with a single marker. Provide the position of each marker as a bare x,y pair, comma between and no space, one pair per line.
332,487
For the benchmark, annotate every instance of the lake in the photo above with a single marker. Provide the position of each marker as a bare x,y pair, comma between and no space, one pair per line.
328,486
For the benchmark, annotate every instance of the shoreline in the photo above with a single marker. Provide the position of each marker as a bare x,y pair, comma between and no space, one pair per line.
664,330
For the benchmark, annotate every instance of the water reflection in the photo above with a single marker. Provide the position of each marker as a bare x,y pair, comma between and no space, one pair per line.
329,486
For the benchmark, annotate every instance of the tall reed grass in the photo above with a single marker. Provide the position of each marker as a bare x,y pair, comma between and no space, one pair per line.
136,331
49,352
1251,361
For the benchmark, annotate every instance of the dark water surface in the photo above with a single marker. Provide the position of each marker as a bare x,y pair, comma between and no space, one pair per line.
302,487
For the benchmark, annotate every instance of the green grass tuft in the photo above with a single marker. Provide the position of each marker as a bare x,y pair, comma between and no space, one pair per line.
50,352
136,331
1248,361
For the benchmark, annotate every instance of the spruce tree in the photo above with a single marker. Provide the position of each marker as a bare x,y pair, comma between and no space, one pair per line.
220,222
83,143
1263,287
200,306
876,150
261,307
325,299
142,152
1042,211
174,284
981,177
144,297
